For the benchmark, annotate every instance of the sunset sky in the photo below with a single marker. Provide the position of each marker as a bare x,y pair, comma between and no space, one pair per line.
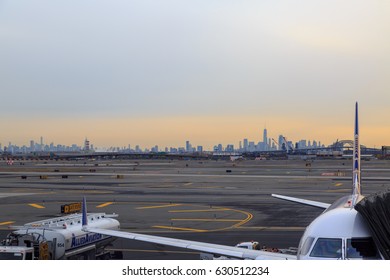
152,72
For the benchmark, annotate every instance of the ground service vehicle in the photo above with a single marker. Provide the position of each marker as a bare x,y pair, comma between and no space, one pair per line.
61,238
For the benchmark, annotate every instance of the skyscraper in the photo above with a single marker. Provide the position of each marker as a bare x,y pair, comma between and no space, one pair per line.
281,142
32,145
86,144
245,145
188,146
265,139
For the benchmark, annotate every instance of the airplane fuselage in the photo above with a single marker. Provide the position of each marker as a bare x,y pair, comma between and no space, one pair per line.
339,233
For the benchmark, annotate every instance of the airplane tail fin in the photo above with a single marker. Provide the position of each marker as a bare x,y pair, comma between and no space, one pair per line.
356,187
84,213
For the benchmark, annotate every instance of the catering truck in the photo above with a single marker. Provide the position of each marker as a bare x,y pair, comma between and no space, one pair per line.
60,239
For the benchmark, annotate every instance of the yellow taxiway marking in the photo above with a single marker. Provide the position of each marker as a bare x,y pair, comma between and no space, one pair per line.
249,217
37,206
6,223
276,228
158,206
205,210
178,228
338,184
104,204
240,223
339,190
208,220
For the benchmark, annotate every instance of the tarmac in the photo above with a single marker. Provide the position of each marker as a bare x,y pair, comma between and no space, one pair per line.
212,201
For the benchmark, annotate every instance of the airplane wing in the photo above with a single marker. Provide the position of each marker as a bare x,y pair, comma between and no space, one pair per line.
230,251
303,201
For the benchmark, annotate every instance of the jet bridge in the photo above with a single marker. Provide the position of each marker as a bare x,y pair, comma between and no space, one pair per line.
375,209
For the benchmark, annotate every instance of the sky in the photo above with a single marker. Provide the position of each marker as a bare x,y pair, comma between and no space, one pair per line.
153,72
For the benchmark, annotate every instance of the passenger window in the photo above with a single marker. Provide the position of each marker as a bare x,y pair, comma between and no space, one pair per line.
361,248
327,248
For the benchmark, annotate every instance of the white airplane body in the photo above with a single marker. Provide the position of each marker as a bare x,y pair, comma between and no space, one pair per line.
340,232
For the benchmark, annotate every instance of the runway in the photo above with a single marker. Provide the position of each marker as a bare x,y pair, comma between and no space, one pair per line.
193,200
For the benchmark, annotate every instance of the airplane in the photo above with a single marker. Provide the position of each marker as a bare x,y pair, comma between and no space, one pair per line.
339,233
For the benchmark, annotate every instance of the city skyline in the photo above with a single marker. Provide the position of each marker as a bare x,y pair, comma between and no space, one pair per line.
233,133
264,143
153,72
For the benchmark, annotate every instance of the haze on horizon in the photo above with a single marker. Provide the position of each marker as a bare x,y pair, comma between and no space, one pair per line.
152,72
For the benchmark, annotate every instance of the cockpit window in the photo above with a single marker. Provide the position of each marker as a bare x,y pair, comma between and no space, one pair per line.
361,248
327,248
306,246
